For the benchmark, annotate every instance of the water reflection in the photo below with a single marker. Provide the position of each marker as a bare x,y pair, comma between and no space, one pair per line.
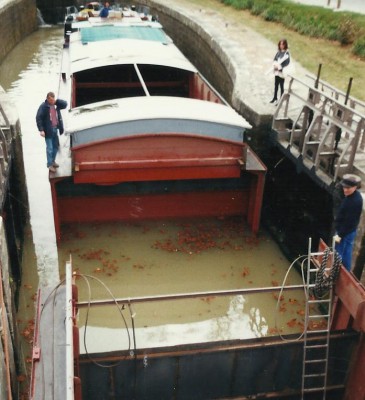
236,323
258,323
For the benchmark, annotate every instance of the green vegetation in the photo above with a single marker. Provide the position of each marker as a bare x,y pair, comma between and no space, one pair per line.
345,28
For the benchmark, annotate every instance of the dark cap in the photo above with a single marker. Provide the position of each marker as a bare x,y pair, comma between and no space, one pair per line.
350,180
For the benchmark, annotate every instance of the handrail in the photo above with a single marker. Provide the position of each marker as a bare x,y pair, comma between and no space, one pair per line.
326,132
338,91
318,91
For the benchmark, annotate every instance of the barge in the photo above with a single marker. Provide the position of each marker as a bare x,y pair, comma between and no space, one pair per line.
148,138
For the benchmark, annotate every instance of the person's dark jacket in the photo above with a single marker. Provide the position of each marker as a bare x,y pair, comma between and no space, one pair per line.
43,117
104,13
348,216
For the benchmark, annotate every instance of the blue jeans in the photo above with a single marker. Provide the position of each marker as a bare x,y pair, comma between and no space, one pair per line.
52,145
345,249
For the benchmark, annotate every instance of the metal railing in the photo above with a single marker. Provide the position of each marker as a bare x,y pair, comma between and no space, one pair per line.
322,127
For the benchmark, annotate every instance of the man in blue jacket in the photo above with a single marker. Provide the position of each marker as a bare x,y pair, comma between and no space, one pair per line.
348,218
104,13
49,122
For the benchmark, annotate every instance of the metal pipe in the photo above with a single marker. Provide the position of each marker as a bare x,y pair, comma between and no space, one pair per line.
147,93
181,296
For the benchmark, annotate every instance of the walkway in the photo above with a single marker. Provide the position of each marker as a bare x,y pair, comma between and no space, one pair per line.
357,6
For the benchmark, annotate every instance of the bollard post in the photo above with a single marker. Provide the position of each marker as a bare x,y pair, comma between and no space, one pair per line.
318,76
348,91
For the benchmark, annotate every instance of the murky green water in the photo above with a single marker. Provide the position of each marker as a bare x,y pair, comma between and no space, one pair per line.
173,257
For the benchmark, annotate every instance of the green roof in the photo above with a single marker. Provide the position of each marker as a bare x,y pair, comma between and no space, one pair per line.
110,32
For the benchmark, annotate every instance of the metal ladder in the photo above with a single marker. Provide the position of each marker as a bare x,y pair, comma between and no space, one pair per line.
316,349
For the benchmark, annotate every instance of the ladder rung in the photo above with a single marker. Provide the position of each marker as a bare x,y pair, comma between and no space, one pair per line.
315,356
318,301
318,316
313,389
316,346
329,153
317,269
314,375
315,361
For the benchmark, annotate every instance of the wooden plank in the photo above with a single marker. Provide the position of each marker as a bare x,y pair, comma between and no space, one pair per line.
49,356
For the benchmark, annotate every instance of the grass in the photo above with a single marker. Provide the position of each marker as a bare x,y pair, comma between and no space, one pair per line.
339,63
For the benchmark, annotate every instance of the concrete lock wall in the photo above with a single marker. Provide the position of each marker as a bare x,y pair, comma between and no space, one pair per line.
9,265
18,19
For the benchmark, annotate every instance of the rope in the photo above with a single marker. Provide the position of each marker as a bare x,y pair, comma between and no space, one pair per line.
304,259
325,281
120,309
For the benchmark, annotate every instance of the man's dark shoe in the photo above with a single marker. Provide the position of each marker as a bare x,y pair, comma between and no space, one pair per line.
52,169
55,165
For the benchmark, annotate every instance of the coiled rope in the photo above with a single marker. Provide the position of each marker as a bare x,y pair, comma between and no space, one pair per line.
324,281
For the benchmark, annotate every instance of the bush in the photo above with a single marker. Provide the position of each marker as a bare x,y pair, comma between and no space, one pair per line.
347,31
273,14
359,47
240,4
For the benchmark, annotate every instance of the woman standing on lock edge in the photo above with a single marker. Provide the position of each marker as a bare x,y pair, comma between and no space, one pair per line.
281,60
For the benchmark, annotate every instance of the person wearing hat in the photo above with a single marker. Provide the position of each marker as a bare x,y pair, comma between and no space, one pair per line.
348,218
